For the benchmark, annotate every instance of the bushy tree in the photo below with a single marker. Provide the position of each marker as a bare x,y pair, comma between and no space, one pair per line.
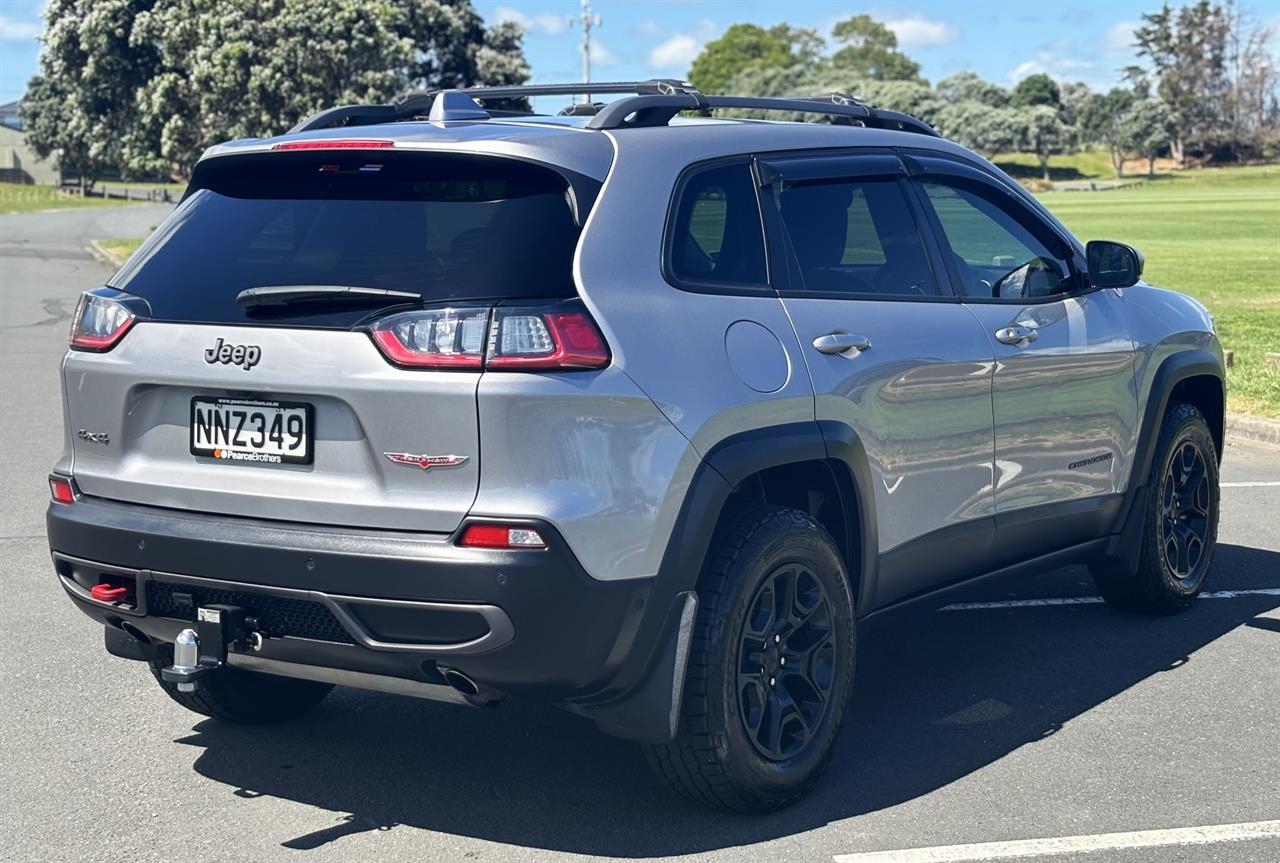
747,46
969,87
1147,125
148,84
1044,134
982,128
1037,89
869,50
1101,122
82,100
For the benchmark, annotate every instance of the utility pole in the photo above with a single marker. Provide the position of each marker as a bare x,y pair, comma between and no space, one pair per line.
589,21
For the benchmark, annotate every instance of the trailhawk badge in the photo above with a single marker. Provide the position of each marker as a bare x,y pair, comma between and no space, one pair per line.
426,461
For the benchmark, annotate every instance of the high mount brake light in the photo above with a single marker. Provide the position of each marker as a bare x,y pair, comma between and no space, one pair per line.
99,323
336,144
557,336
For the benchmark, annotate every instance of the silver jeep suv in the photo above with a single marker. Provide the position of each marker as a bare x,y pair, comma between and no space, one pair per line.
632,409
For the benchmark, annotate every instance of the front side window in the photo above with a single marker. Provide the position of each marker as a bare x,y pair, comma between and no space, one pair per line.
854,236
716,235
998,254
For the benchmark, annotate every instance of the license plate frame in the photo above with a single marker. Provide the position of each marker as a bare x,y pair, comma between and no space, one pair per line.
246,455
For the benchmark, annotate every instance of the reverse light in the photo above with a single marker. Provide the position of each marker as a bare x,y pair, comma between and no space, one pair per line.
501,536
62,488
99,323
337,144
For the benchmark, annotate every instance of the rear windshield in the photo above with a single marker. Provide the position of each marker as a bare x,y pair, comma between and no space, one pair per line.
447,227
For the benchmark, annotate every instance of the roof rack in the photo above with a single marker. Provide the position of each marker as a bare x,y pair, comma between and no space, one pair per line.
648,103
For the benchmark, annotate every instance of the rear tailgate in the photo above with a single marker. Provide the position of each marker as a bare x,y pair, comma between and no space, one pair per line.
389,447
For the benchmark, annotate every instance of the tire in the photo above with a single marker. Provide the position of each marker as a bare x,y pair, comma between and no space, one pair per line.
728,753
236,695
1179,526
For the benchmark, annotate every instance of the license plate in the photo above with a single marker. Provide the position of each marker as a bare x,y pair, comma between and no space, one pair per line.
252,430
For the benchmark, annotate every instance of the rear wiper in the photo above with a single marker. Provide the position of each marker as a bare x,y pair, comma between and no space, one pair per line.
280,295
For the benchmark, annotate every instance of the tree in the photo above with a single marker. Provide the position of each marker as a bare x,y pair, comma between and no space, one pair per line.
982,128
1037,89
1146,127
1075,97
82,100
871,51
146,85
968,87
746,46
1187,52
1102,122
1045,134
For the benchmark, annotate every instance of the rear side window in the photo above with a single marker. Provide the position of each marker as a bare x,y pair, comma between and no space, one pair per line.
716,236
447,227
855,236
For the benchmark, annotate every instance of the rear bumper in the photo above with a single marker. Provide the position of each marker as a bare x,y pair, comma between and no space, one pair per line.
527,622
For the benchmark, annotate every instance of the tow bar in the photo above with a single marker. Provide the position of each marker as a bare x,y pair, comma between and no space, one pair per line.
201,651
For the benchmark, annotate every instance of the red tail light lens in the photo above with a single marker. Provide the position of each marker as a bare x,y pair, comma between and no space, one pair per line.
434,338
561,336
99,323
545,339
336,144
501,536
62,489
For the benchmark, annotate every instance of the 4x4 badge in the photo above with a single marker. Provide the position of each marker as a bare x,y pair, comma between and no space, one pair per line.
426,461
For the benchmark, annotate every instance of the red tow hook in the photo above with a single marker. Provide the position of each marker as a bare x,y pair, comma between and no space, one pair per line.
108,592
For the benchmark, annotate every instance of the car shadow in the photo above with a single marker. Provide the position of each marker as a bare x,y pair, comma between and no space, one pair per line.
939,694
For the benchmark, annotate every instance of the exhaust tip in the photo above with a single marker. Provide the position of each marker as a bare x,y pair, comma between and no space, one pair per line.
461,682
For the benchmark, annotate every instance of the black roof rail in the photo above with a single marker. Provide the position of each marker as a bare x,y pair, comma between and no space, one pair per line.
640,111
420,104
648,103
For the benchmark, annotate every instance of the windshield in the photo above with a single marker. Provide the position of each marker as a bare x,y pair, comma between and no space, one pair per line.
445,227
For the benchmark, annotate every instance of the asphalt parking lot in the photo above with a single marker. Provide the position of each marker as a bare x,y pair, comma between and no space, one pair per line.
1001,719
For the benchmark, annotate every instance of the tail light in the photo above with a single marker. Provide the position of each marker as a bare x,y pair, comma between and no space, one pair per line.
559,336
99,323
501,536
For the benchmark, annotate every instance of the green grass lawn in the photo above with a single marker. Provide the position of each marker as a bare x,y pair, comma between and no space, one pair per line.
1213,234
20,198
121,247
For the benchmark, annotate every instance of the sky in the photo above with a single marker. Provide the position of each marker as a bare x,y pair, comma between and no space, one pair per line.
1001,40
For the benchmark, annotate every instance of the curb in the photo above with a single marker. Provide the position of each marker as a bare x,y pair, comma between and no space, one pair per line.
1243,427
96,249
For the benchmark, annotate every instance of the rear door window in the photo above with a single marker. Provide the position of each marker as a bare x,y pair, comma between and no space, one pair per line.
446,227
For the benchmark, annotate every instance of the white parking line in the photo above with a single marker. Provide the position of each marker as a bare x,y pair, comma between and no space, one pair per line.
1094,600
1250,484
981,851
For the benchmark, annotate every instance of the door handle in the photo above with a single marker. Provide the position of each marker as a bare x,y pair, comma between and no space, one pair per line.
1016,335
838,343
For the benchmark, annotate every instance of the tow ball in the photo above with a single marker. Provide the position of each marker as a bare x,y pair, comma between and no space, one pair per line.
201,651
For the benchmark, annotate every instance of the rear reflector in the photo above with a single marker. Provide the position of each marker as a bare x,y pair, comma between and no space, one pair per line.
501,536
62,489
336,144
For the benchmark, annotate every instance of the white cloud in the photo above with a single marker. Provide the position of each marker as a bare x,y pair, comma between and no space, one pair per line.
11,30
1022,70
649,29
600,55
675,53
544,23
917,31
1119,37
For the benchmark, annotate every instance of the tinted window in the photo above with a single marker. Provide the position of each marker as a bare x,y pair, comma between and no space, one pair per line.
448,228
998,253
855,237
716,236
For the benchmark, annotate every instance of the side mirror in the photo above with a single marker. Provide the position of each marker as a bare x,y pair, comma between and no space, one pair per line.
1113,265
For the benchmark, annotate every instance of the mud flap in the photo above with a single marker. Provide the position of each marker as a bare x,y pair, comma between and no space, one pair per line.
651,712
